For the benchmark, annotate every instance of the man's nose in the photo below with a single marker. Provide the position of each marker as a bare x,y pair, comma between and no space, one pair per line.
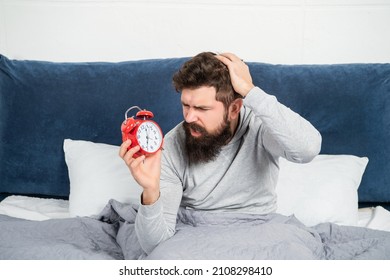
190,116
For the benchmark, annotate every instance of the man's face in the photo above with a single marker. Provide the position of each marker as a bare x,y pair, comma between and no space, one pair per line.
207,124
202,109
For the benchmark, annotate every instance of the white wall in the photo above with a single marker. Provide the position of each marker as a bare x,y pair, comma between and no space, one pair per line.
279,31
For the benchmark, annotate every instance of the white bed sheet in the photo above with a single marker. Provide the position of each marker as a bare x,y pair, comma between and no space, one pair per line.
40,209
32,208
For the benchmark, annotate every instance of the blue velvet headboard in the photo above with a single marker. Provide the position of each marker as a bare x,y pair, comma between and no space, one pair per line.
42,103
349,104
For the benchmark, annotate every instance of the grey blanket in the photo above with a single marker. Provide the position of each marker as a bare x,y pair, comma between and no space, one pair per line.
200,235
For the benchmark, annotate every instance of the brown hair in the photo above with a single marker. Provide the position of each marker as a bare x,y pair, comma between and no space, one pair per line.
205,69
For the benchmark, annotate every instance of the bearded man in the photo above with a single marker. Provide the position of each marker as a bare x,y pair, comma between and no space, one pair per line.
224,155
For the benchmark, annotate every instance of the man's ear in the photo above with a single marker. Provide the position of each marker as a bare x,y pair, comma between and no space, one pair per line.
235,108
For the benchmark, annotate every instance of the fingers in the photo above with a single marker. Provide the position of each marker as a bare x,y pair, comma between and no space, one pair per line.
228,58
128,155
239,73
123,148
134,163
232,61
224,59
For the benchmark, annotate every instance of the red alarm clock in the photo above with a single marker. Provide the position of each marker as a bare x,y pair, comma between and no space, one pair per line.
142,131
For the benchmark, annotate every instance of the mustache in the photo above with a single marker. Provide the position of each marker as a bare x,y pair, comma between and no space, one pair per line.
194,127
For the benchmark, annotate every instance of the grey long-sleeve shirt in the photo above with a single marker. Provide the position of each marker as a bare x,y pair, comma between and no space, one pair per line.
243,176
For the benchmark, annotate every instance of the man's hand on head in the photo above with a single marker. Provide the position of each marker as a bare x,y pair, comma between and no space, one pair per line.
239,73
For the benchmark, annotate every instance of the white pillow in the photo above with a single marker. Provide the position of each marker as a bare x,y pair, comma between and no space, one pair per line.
97,174
324,190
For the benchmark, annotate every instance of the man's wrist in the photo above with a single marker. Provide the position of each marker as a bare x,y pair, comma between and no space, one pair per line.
247,90
149,197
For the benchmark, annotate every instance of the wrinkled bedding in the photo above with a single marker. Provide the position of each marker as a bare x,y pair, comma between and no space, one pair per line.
200,235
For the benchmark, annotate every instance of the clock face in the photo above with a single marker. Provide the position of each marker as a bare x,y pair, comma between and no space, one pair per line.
149,136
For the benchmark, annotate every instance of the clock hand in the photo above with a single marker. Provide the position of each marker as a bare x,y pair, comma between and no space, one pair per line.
147,137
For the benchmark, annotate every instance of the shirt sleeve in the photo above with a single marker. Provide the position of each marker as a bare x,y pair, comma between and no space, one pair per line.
284,132
157,222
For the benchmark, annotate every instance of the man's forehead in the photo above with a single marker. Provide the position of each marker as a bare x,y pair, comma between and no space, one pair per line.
200,94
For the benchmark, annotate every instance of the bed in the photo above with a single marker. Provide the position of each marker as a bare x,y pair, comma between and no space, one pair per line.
65,193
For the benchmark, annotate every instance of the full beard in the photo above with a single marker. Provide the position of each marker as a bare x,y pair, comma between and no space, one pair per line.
206,147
